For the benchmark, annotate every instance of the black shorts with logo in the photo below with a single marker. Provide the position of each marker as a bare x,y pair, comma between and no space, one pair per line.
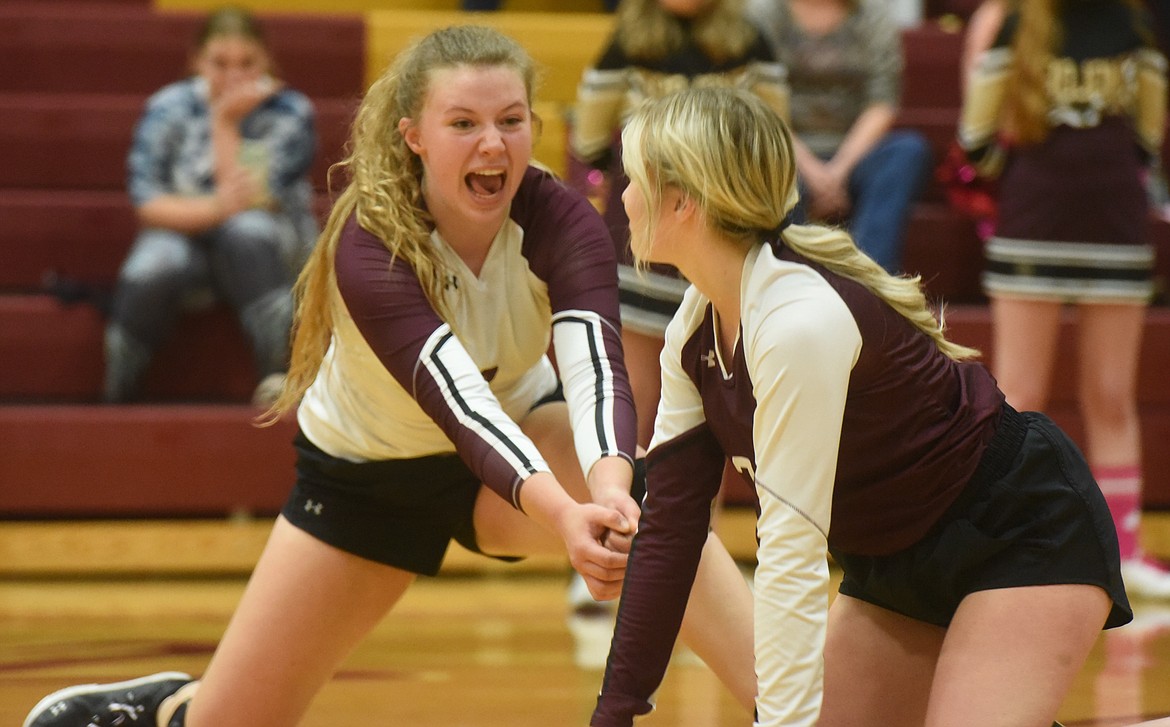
401,512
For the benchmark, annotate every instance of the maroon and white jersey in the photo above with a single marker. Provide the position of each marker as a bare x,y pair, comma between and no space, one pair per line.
856,432
399,382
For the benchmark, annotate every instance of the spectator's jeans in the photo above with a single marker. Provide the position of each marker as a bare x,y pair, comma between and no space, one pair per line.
883,188
243,262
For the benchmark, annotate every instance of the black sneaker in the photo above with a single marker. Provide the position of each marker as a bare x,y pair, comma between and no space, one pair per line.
125,704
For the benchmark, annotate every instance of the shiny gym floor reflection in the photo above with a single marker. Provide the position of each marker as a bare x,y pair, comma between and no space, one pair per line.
462,649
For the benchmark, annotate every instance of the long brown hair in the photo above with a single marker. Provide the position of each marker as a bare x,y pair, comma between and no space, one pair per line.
232,21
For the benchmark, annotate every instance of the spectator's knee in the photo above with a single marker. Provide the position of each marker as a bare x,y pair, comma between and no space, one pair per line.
913,156
256,225
912,146
158,255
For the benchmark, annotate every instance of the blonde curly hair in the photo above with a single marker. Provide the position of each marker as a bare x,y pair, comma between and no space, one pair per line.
384,192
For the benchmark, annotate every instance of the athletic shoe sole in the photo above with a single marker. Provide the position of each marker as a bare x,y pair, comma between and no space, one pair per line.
82,690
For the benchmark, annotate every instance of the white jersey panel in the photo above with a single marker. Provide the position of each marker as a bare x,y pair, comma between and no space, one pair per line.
589,384
800,344
680,408
357,411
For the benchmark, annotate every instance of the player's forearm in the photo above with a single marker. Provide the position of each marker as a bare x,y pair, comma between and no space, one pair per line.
544,500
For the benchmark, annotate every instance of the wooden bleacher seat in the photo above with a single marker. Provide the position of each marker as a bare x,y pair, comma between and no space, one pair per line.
51,351
135,461
82,234
65,141
80,141
94,48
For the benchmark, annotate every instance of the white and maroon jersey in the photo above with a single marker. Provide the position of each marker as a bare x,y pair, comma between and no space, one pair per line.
856,432
399,382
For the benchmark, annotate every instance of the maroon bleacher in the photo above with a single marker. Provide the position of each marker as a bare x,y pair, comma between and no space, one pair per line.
83,234
51,351
68,46
931,77
73,79
79,141
141,461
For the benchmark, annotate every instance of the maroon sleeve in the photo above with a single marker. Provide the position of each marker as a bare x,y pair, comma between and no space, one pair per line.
568,246
682,479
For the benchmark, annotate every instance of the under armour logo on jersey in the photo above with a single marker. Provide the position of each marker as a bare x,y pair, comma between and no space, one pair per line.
314,507
452,282
709,358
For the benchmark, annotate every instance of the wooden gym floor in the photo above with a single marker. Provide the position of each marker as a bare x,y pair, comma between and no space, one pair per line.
477,646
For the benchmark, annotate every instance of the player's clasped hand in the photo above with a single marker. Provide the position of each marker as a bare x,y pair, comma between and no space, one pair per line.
615,494
602,567
619,541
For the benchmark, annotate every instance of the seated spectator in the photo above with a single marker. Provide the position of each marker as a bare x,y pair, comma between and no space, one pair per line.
217,175
844,63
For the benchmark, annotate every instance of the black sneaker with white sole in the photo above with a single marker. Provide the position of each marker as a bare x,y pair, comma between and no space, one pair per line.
132,703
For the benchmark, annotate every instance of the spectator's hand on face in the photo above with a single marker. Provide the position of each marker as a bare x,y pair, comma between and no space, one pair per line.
241,98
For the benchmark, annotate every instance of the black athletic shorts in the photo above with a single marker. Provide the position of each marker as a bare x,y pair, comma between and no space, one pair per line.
401,512
1031,515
